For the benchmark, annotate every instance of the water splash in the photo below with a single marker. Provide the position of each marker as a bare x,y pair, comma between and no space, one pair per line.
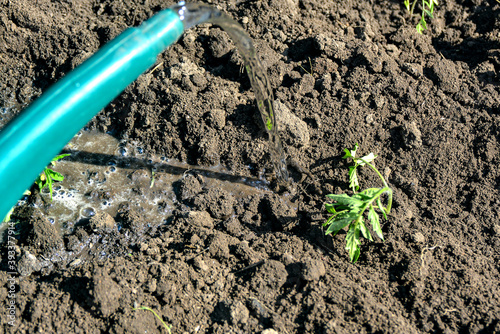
193,14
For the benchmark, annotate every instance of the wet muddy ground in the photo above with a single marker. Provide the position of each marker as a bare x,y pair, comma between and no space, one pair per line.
215,247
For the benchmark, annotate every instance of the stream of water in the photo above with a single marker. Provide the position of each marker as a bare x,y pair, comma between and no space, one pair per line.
195,13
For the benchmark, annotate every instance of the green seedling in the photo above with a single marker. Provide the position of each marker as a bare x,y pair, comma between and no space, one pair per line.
156,315
49,176
427,9
349,210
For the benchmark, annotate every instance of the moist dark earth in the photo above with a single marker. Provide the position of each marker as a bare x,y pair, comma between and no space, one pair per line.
342,73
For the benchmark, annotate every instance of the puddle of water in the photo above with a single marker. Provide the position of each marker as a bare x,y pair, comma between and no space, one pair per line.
104,173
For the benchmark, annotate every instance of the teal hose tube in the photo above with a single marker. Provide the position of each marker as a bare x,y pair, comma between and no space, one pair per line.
38,133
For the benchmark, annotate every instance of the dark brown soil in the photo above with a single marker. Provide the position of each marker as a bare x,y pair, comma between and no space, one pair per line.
344,72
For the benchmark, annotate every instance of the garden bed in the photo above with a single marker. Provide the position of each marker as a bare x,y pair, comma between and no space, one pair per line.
235,254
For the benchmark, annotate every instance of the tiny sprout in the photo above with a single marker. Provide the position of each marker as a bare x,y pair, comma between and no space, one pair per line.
49,176
156,315
428,7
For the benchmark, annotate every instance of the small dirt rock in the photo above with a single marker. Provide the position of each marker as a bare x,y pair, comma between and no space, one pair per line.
447,75
220,43
200,264
102,222
269,277
412,136
200,219
27,264
238,313
419,238
218,202
295,129
189,186
106,293
217,117
312,269
219,247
